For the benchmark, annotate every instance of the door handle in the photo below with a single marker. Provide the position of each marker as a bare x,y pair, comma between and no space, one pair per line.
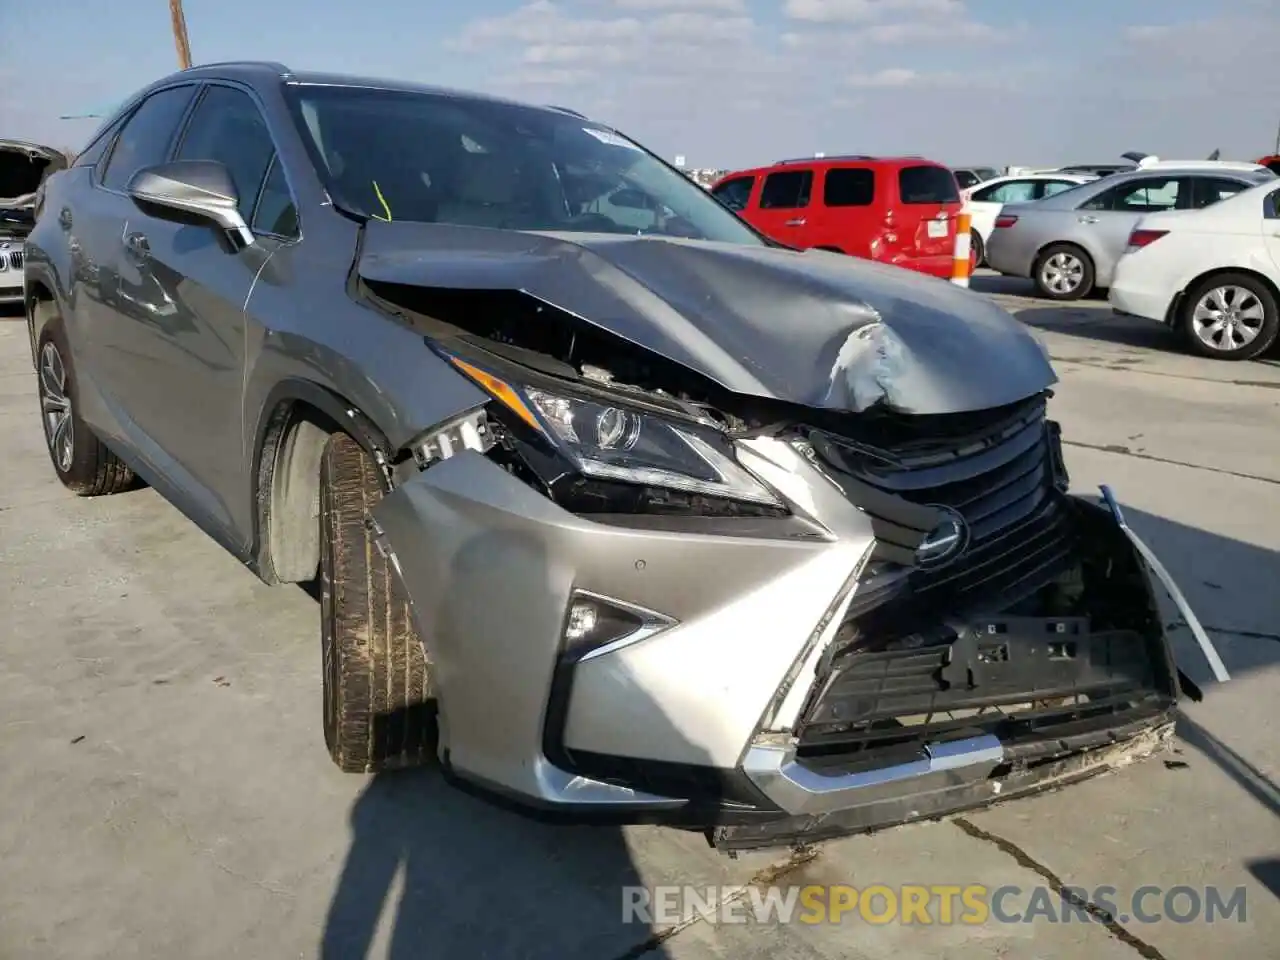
137,245
64,218
796,223
1088,219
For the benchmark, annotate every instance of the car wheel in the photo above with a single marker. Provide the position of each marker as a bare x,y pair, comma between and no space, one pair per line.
1063,272
977,252
378,709
82,461
1232,316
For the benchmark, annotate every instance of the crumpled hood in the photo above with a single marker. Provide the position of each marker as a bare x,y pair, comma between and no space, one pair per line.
814,328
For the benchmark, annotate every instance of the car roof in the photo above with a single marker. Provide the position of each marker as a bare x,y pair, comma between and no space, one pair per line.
840,161
250,71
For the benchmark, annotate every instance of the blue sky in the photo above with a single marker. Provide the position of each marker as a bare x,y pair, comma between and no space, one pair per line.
725,82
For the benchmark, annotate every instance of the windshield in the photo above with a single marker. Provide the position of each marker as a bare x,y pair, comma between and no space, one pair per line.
434,158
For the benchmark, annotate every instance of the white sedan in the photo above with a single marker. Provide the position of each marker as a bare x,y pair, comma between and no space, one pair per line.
984,201
1213,275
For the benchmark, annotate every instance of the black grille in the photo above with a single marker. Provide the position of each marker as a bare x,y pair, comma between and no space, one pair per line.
15,260
1001,471
938,653
1025,679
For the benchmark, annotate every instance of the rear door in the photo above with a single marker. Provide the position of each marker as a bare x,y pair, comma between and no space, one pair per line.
844,216
187,317
1107,220
98,220
928,202
783,207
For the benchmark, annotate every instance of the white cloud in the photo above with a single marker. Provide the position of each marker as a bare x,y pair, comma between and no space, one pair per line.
544,22
859,11
719,6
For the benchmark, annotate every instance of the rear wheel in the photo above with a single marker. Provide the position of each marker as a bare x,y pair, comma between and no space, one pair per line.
1232,316
82,462
1063,272
977,251
378,712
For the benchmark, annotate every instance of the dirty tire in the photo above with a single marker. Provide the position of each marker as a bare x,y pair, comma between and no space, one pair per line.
1062,259
1256,297
82,461
378,713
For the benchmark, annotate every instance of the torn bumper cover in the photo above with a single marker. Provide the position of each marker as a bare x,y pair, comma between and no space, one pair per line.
902,642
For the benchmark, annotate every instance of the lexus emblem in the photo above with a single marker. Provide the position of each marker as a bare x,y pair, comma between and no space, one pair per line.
944,542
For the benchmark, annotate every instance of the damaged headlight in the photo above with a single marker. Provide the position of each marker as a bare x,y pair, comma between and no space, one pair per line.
609,440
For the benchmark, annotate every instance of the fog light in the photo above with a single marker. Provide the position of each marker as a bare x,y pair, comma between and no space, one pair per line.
596,625
582,621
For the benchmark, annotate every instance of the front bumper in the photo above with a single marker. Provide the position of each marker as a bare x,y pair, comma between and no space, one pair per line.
725,712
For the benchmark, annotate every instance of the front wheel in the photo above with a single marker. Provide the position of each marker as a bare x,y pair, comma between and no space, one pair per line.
1063,272
1232,316
378,710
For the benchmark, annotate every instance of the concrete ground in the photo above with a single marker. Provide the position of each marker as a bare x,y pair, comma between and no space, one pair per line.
165,791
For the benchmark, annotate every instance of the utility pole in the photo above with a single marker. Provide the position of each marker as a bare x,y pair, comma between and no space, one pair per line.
180,33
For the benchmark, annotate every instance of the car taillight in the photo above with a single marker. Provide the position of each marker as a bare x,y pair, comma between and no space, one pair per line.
1142,238
1006,220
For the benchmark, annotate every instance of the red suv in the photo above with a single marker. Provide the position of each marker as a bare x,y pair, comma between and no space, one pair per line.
899,210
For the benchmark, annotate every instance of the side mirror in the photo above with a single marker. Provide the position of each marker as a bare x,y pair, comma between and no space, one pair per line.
195,188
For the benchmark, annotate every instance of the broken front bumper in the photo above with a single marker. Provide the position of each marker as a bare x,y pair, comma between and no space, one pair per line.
718,702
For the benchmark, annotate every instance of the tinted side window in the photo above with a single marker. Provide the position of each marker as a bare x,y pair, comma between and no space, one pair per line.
228,127
785,191
146,136
734,193
1207,191
966,179
927,185
1271,207
275,212
849,187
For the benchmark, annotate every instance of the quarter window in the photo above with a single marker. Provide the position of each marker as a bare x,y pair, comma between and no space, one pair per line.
849,187
734,193
786,191
146,136
228,127
276,213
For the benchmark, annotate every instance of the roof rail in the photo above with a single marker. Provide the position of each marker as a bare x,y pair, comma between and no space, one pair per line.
572,113
270,64
825,157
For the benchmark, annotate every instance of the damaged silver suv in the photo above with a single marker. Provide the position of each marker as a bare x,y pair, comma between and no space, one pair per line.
617,509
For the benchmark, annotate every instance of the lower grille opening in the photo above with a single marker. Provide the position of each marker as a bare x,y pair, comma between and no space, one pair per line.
1080,652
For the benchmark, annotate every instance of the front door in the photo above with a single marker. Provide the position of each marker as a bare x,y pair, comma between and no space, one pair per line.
187,286
783,207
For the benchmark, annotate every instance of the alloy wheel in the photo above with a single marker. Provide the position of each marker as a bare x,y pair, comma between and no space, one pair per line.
1062,273
1228,318
55,405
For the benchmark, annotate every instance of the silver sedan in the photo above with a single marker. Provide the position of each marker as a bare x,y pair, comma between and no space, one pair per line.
1069,243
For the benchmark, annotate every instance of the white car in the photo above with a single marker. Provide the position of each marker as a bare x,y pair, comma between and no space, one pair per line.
1213,275
984,201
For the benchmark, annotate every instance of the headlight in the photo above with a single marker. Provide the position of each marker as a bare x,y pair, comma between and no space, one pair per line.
610,440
